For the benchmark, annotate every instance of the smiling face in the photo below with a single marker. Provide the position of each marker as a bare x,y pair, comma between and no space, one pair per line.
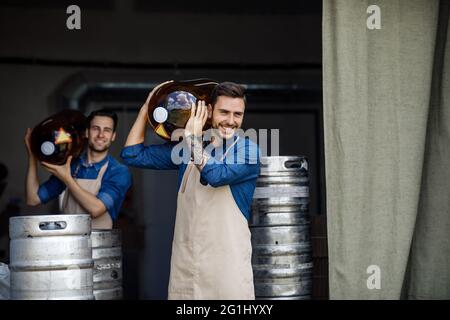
101,133
227,115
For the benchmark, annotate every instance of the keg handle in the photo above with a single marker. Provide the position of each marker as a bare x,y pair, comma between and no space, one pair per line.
296,164
52,225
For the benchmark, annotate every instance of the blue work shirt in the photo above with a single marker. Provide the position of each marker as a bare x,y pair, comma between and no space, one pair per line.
240,174
115,182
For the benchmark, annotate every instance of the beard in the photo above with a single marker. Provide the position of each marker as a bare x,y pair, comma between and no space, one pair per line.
95,148
229,131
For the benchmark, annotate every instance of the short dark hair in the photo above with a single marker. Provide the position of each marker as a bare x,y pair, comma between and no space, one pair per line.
103,113
228,89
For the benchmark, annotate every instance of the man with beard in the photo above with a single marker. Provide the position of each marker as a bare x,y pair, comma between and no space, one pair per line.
94,183
211,249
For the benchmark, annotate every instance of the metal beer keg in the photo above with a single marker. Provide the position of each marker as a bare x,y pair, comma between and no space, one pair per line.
107,255
280,227
51,257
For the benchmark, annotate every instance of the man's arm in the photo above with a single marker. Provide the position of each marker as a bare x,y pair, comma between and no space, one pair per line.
193,133
135,154
88,201
115,184
156,156
137,132
243,165
221,174
32,180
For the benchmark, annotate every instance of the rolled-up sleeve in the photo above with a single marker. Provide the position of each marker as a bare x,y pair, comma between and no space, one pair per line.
114,188
245,165
50,189
149,157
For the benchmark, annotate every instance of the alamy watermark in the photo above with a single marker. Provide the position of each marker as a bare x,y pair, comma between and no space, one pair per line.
236,151
374,280
73,21
374,20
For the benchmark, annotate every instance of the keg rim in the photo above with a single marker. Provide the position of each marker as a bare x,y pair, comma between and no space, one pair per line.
35,226
49,216
98,231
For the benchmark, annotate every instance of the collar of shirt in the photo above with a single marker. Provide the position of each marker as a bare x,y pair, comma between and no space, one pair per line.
96,165
220,150
224,143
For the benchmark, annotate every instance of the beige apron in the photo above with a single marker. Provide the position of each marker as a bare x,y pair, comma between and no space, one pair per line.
211,249
71,206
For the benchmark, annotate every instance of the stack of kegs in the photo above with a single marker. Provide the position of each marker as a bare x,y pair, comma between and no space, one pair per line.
51,257
59,257
280,228
107,255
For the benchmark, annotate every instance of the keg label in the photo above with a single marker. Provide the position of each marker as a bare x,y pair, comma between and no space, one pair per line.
47,148
106,266
272,192
160,114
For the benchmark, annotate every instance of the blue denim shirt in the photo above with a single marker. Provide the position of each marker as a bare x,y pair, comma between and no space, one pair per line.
115,182
239,175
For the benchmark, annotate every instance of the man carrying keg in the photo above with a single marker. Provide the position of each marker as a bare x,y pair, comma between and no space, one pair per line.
211,249
94,183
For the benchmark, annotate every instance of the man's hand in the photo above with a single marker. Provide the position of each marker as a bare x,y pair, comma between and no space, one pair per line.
193,133
62,172
87,200
197,120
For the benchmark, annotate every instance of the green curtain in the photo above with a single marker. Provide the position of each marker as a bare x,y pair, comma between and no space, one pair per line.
387,148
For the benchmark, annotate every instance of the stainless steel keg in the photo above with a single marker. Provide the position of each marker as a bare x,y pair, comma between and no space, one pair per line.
51,257
107,255
280,227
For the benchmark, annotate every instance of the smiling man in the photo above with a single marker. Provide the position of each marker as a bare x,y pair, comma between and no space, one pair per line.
95,183
211,250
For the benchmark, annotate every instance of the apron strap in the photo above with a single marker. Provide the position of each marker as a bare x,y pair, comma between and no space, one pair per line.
99,176
226,152
191,164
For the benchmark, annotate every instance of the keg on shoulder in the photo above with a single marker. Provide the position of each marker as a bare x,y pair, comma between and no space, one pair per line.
280,228
170,106
107,255
51,257
57,137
